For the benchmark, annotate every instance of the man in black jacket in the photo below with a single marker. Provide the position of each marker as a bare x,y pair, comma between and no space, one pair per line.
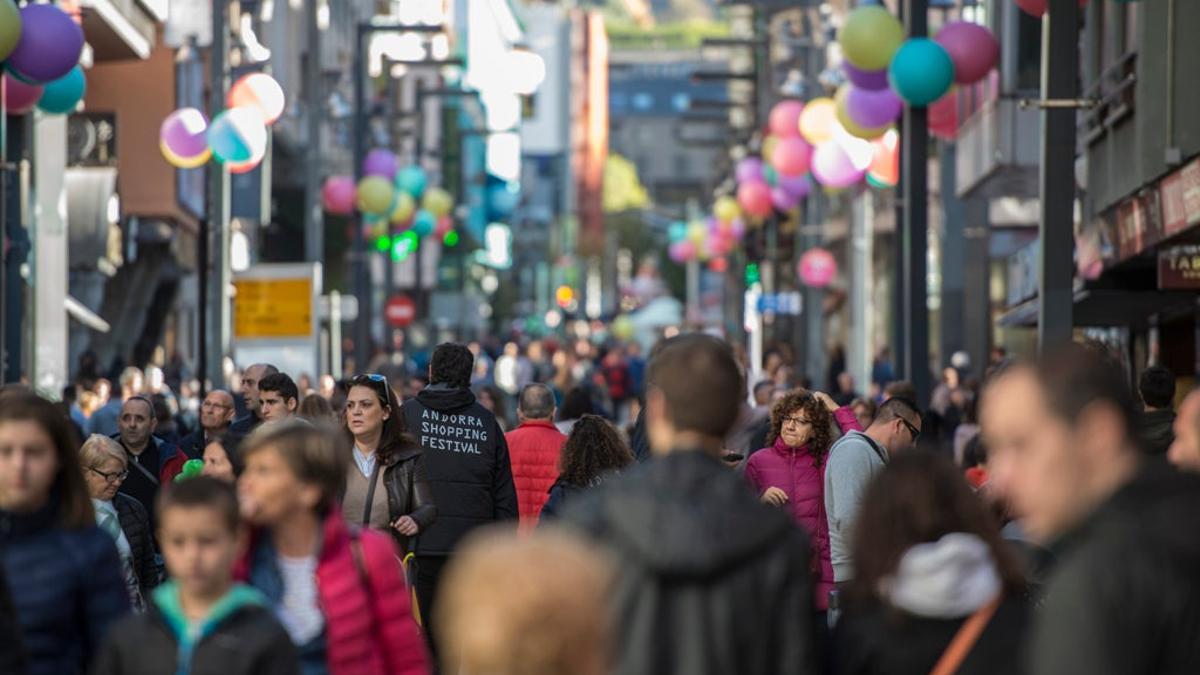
1063,452
1157,387
467,464
712,581
216,414
250,379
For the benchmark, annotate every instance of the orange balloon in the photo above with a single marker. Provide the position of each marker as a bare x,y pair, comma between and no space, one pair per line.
885,165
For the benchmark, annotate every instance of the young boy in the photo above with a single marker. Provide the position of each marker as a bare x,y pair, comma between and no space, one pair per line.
200,621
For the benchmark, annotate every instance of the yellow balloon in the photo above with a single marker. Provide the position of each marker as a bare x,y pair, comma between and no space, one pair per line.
438,202
405,207
374,195
697,233
852,128
726,209
768,146
816,122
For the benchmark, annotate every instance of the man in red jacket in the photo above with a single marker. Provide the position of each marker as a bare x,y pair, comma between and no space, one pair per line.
534,448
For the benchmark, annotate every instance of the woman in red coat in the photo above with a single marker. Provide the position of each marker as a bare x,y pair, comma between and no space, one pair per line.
790,473
337,590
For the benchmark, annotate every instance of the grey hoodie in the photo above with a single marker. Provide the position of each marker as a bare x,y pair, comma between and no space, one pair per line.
853,461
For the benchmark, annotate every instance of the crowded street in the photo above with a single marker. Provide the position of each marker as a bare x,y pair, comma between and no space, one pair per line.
684,337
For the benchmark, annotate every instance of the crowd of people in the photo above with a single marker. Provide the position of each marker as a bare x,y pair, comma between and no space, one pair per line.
660,515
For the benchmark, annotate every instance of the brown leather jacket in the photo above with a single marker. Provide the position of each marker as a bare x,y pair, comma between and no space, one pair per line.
408,492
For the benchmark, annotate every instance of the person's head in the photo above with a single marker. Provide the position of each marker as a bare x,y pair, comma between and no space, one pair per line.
316,409
800,419
103,389
132,382
576,404
900,389
326,386
693,395
105,466
200,534
593,448
278,397
137,422
762,392
950,377
216,412
223,458
1157,387
536,404
1185,451
897,425
39,459
919,498
373,415
1060,437
547,618
845,382
451,365
864,411
250,379
292,468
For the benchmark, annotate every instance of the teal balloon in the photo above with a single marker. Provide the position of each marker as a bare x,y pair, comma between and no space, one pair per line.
921,72
424,223
60,96
412,180
771,175
677,232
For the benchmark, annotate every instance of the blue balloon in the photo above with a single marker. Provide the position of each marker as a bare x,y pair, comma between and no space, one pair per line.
921,72
424,223
60,96
677,232
412,180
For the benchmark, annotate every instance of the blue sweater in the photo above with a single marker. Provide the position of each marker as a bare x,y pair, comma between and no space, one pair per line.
66,588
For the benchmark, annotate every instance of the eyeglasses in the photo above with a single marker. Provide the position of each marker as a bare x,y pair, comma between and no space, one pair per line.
118,477
795,420
916,433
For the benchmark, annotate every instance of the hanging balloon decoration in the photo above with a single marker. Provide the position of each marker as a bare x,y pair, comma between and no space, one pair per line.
259,92
921,72
748,169
404,209
20,97
817,120
971,47
792,157
238,135
870,80
49,44
182,138
61,96
846,121
424,223
1037,8
943,116
784,120
381,162
833,166
10,27
375,195
817,268
870,37
412,180
339,195
884,171
438,202
870,109
755,199
726,209
797,186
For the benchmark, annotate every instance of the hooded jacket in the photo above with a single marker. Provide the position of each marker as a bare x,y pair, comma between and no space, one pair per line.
1124,595
802,478
1156,431
238,637
710,581
466,461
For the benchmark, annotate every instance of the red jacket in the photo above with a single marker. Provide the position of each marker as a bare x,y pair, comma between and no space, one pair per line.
794,471
533,449
367,631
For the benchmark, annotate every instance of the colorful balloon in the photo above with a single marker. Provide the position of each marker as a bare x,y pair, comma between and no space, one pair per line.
750,168
404,209
870,37
847,122
1037,8
62,95
871,80
817,120
783,200
10,27
424,223
237,135
943,116
755,199
191,469
884,170
438,202
833,167
784,121
375,195
697,233
870,109
677,231
443,227
770,175
412,180
260,92
338,195
20,97
797,186
792,157
768,145
719,265
50,44
381,162
182,138
921,72
817,268
726,209
972,48
682,251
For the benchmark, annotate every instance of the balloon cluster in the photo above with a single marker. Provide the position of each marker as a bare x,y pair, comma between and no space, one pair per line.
40,47
237,137
709,240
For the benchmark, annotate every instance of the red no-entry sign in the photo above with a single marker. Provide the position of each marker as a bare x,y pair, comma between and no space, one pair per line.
400,311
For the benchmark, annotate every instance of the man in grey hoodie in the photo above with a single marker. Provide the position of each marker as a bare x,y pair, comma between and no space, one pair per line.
853,461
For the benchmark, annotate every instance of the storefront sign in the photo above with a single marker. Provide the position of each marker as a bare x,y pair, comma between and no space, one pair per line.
1179,267
1139,224
1190,179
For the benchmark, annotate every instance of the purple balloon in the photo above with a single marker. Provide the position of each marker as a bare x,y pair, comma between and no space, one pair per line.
871,80
50,44
873,109
381,162
796,186
749,170
784,200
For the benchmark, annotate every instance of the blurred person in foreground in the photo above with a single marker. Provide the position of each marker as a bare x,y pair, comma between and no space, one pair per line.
1156,422
1063,452
711,581
592,454
1185,450
547,617
534,448
936,589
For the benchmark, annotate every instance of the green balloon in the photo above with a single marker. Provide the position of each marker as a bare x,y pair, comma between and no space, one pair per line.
191,469
870,37
10,27
60,96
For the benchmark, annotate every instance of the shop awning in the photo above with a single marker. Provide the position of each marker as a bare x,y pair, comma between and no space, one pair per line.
1107,307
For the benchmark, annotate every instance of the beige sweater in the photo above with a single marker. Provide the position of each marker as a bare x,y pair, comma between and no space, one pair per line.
356,499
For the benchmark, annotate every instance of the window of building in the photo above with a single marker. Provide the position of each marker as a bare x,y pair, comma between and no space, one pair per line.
643,101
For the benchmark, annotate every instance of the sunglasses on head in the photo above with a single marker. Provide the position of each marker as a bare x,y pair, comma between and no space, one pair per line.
373,378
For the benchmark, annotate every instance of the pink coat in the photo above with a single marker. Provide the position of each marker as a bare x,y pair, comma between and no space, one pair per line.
794,471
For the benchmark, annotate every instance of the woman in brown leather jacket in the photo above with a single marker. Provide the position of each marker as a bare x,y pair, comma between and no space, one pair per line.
386,487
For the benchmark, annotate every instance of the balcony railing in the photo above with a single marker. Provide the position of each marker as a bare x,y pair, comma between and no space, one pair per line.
1114,93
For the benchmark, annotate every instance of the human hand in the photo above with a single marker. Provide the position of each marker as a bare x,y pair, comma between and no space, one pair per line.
826,399
406,526
774,496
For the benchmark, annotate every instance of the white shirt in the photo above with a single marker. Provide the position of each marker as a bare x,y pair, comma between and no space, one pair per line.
299,611
365,462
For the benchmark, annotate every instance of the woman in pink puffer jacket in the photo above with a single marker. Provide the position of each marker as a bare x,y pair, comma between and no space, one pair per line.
791,473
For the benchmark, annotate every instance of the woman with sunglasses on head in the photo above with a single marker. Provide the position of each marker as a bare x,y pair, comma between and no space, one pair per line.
790,474
386,487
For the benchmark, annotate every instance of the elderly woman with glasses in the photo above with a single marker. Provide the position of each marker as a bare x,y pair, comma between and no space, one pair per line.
105,467
790,473
386,488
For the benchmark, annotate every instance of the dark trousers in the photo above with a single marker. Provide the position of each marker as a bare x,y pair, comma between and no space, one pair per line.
428,576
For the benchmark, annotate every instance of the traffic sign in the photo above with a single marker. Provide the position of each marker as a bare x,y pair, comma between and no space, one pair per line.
400,311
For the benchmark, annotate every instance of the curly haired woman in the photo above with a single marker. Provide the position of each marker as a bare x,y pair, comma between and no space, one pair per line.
791,472
594,450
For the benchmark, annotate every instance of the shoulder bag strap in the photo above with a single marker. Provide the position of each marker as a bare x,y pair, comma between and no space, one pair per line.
366,518
966,637
144,470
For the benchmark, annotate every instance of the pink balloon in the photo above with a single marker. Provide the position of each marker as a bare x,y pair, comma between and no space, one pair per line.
737,229
682,251
817,268
792,156
750,168
785,119
19,96
972,48
755,198
873,109
833,167
1037,8
339,195
943,116
784,200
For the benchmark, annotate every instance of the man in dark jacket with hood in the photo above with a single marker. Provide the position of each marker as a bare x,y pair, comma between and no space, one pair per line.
1063,452
712,581
467,464
1155,424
